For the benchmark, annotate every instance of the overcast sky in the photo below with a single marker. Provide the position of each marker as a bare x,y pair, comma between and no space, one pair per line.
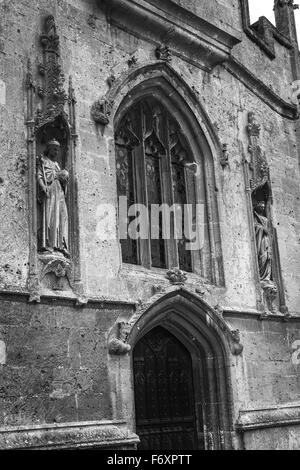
265,8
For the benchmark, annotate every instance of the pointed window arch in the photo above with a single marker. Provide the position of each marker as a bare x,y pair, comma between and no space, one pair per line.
159,121
156,168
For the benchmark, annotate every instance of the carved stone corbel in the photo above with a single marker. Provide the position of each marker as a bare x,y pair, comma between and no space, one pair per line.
118,338
60,267
51,91
117,344
219,310
233,336
163,53
236,346
176,277
101,110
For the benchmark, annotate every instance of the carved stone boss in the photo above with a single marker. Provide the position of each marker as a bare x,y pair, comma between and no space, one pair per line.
54,258
265,245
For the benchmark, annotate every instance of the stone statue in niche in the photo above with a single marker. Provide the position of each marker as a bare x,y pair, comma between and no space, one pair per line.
260,185
264,244
53,183
263,240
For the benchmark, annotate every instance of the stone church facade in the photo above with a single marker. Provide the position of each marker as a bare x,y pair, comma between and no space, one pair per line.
116,342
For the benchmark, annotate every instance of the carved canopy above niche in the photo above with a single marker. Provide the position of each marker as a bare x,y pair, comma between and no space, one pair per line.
165,22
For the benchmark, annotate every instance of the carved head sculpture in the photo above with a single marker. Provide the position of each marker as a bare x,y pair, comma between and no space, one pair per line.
253,125
52,149
260,207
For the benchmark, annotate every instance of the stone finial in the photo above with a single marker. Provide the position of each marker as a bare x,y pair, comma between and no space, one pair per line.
176,277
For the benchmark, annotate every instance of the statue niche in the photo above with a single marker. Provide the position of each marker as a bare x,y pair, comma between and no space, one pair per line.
52,179
264,244
265,233
54,246
52,182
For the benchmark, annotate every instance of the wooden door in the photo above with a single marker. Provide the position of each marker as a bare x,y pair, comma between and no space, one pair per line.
164,393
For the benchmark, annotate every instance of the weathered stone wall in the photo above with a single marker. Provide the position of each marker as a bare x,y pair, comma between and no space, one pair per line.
55,364
286,437
269,371
266,375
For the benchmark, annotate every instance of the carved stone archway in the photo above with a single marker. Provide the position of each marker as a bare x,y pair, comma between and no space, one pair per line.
210,342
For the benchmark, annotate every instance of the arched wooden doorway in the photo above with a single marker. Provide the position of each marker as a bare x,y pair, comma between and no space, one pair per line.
164,394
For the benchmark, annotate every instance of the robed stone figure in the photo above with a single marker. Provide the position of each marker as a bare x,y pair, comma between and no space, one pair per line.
53,183
263,241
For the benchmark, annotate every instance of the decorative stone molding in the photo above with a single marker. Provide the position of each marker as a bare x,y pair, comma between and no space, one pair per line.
51,115
273,417
60,267
176,277
219,310
109,435
209,340
200,291
157,289
117,342
260,89
52,91
71,301
191,37
236,345
270,290
132,61
224,160
192,48
163,53
111,80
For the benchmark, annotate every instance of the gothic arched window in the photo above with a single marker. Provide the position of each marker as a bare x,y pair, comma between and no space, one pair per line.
156,169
